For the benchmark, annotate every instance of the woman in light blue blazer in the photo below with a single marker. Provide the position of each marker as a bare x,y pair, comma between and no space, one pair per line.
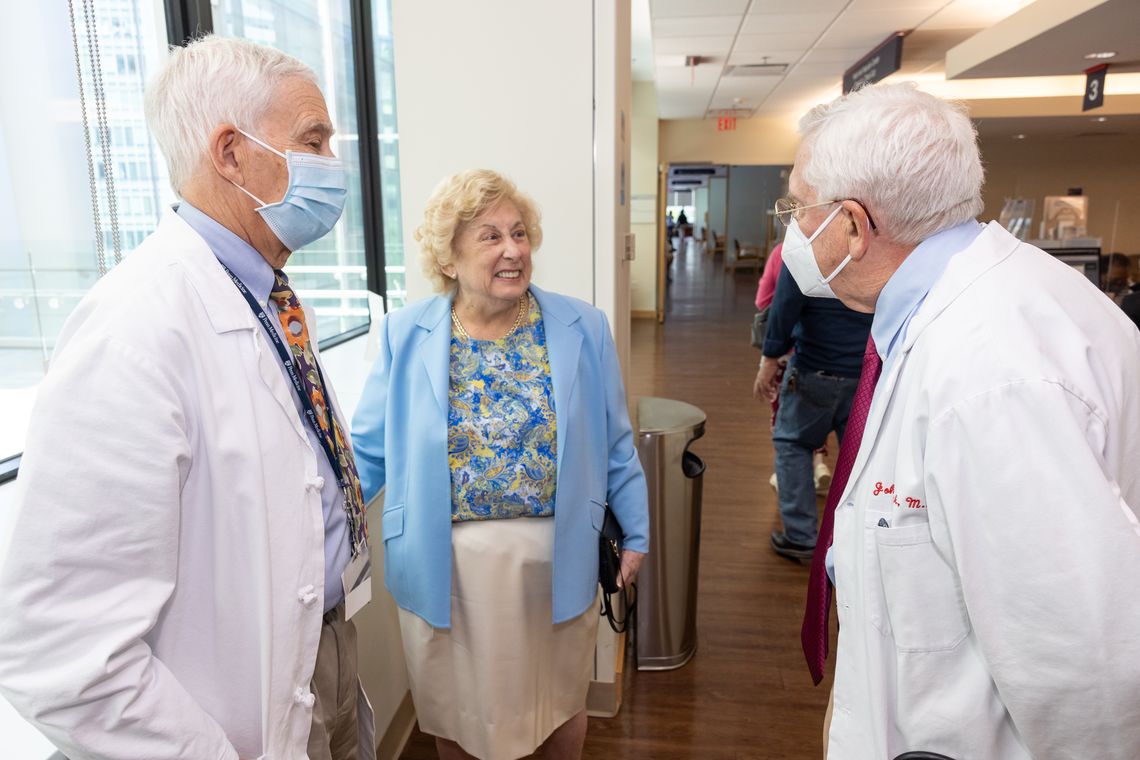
496,419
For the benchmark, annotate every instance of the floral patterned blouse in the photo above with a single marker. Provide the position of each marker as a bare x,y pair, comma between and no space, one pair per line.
501,426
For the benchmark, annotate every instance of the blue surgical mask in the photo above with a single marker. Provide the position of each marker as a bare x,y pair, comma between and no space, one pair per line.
313,201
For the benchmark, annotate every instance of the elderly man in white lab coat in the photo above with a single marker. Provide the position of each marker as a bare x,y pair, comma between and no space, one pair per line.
985,547
189,512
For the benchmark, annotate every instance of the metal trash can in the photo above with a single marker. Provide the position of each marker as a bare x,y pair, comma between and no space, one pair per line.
667,584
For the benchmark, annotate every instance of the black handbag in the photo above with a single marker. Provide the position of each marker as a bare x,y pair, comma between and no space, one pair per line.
609,570
759,328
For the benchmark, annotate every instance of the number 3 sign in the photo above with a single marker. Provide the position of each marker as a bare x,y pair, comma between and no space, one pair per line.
1094,87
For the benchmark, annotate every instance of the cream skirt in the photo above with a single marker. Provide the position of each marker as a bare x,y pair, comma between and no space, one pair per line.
503,677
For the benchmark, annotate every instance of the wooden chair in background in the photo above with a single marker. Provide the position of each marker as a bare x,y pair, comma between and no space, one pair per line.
744,255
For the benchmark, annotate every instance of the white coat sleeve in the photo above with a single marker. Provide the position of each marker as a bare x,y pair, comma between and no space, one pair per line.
1048,555
93,559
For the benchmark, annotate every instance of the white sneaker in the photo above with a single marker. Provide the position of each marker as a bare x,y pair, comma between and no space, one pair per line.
822,477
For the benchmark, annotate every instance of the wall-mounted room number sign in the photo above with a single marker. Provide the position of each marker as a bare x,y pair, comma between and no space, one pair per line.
1094,87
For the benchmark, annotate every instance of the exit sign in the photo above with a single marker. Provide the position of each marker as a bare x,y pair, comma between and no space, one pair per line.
726,124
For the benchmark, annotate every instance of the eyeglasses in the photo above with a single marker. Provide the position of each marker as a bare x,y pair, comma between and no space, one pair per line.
788,209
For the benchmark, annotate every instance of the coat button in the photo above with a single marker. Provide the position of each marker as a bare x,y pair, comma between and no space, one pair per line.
306,595
316,483
303,697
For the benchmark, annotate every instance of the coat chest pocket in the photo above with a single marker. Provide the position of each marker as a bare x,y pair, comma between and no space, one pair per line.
921,591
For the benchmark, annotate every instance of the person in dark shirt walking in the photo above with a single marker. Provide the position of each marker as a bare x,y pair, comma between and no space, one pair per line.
815,397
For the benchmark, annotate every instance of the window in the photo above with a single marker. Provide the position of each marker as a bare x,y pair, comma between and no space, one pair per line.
389,137
331,274
48,253
53,228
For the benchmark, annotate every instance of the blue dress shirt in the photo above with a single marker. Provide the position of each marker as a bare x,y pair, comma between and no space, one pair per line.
906,291
908,287
256,274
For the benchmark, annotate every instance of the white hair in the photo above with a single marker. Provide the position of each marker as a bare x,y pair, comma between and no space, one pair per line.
911,158
211,81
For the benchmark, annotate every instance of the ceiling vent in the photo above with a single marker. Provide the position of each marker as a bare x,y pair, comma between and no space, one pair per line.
756,70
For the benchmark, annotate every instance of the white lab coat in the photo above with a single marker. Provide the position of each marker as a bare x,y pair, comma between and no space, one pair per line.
162,597
986,548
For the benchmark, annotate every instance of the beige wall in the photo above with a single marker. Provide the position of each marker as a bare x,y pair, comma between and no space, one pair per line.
754,141
1106,167
643,187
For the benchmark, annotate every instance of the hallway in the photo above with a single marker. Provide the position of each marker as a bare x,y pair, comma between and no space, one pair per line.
747,693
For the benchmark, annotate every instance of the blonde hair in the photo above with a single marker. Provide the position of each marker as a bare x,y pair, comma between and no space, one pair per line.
455,202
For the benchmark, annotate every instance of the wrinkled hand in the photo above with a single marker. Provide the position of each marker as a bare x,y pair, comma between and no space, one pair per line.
630,564
765,385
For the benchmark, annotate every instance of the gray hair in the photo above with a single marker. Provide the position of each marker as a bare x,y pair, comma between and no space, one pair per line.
909,156
212,81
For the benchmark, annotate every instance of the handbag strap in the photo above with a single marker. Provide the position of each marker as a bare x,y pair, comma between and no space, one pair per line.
607,609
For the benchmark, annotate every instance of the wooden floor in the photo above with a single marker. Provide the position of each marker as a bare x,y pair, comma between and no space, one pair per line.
747,693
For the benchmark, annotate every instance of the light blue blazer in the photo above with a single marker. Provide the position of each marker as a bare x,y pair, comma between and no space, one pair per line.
399,434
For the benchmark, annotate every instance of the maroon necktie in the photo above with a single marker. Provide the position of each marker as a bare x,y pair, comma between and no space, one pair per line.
813,635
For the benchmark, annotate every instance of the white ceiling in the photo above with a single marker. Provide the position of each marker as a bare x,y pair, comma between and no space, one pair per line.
817,39
1113,25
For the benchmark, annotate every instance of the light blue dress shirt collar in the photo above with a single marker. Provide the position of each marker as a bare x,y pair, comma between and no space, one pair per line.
908,287
238,256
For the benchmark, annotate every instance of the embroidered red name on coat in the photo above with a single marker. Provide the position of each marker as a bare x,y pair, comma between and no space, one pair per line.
882,488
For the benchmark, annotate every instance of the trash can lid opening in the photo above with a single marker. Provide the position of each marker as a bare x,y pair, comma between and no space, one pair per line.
665,415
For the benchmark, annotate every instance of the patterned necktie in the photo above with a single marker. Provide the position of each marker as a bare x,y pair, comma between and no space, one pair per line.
292,318
813,635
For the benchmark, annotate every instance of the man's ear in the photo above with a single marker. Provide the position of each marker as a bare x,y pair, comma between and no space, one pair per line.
221,147
857,226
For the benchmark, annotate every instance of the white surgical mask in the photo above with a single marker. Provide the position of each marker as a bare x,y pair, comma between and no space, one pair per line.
801,262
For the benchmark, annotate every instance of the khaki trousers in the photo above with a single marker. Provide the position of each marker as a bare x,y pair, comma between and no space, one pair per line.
334,735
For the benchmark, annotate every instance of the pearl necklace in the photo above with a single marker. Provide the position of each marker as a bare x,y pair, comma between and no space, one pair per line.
524,304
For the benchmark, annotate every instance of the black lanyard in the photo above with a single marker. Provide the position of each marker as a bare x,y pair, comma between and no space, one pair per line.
327,441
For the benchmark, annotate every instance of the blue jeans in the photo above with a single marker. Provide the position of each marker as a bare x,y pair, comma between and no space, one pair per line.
811,406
